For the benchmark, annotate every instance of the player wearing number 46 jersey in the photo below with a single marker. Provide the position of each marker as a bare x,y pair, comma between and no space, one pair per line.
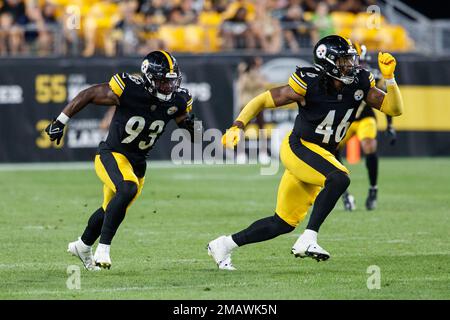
328,96
144,105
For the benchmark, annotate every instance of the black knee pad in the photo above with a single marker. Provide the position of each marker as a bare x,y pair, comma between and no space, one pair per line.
338,180
281,225
128,190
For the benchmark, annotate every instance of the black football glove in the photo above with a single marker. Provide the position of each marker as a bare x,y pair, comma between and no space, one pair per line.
192,124
55,130
391,135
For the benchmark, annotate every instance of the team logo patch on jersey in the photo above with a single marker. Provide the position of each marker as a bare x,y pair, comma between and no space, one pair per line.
321,51
172,110
359,94
152,107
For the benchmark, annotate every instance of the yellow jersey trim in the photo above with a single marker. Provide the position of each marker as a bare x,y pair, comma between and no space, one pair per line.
117,85
297,86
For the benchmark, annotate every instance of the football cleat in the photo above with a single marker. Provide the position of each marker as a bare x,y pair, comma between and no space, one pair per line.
371,201
303,248
101,256
221,255
349,201
84,253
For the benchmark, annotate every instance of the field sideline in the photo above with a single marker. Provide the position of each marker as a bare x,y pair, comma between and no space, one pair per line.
159,251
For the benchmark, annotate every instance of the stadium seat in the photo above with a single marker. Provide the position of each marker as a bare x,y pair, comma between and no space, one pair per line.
210,18
194,38
173,37
343,19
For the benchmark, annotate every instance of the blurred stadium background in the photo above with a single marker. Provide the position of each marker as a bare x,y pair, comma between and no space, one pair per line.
52,49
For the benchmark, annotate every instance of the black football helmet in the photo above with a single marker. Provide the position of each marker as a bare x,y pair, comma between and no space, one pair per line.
337,57
162,74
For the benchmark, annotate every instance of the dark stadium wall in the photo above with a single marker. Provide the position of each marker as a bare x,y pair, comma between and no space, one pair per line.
33,91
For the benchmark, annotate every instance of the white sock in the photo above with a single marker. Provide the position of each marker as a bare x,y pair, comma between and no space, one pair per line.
229,243
83,245
311,235
103,247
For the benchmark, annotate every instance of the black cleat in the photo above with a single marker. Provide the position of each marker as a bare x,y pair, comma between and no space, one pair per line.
349,201
371,201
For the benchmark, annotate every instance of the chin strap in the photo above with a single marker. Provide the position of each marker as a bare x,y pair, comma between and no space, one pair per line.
163,97
345,80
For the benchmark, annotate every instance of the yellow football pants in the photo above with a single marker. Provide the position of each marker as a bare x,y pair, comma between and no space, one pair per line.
365,128
307,167
112,169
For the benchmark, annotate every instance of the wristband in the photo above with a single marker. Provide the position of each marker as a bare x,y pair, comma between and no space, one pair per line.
63,118
390,81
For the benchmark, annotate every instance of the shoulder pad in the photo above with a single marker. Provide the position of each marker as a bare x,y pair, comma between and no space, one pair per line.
366,78
185,98
120,81
117,84
300,79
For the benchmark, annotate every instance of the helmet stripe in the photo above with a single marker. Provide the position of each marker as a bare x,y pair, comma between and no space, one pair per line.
169,59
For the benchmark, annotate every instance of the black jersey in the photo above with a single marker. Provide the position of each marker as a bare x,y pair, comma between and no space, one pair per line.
364,111
327,114
140,119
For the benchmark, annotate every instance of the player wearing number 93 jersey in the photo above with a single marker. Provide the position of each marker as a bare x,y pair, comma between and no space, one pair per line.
144,105
328,96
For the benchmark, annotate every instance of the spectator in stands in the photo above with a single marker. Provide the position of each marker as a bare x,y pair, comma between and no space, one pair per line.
46,25
322,22
13,19
267,29
189,15
218,5
149,39
309,5
291,22
334,5
234,6
236,32
124,35
155,10
353,6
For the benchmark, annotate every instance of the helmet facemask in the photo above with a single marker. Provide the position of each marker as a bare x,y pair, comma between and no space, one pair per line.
163,86
345,69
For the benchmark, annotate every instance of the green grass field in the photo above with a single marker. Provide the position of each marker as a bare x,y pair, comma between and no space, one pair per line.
159,251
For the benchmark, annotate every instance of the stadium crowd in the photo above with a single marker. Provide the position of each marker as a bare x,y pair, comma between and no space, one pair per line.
129,27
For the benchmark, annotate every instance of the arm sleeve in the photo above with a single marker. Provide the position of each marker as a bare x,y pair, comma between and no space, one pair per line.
393,102
251,109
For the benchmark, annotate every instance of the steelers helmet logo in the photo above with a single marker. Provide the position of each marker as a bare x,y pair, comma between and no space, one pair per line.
359,94
321,51
172,110
144,66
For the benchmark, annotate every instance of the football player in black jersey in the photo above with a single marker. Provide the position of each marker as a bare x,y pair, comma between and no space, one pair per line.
328,96
365,128
144,105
